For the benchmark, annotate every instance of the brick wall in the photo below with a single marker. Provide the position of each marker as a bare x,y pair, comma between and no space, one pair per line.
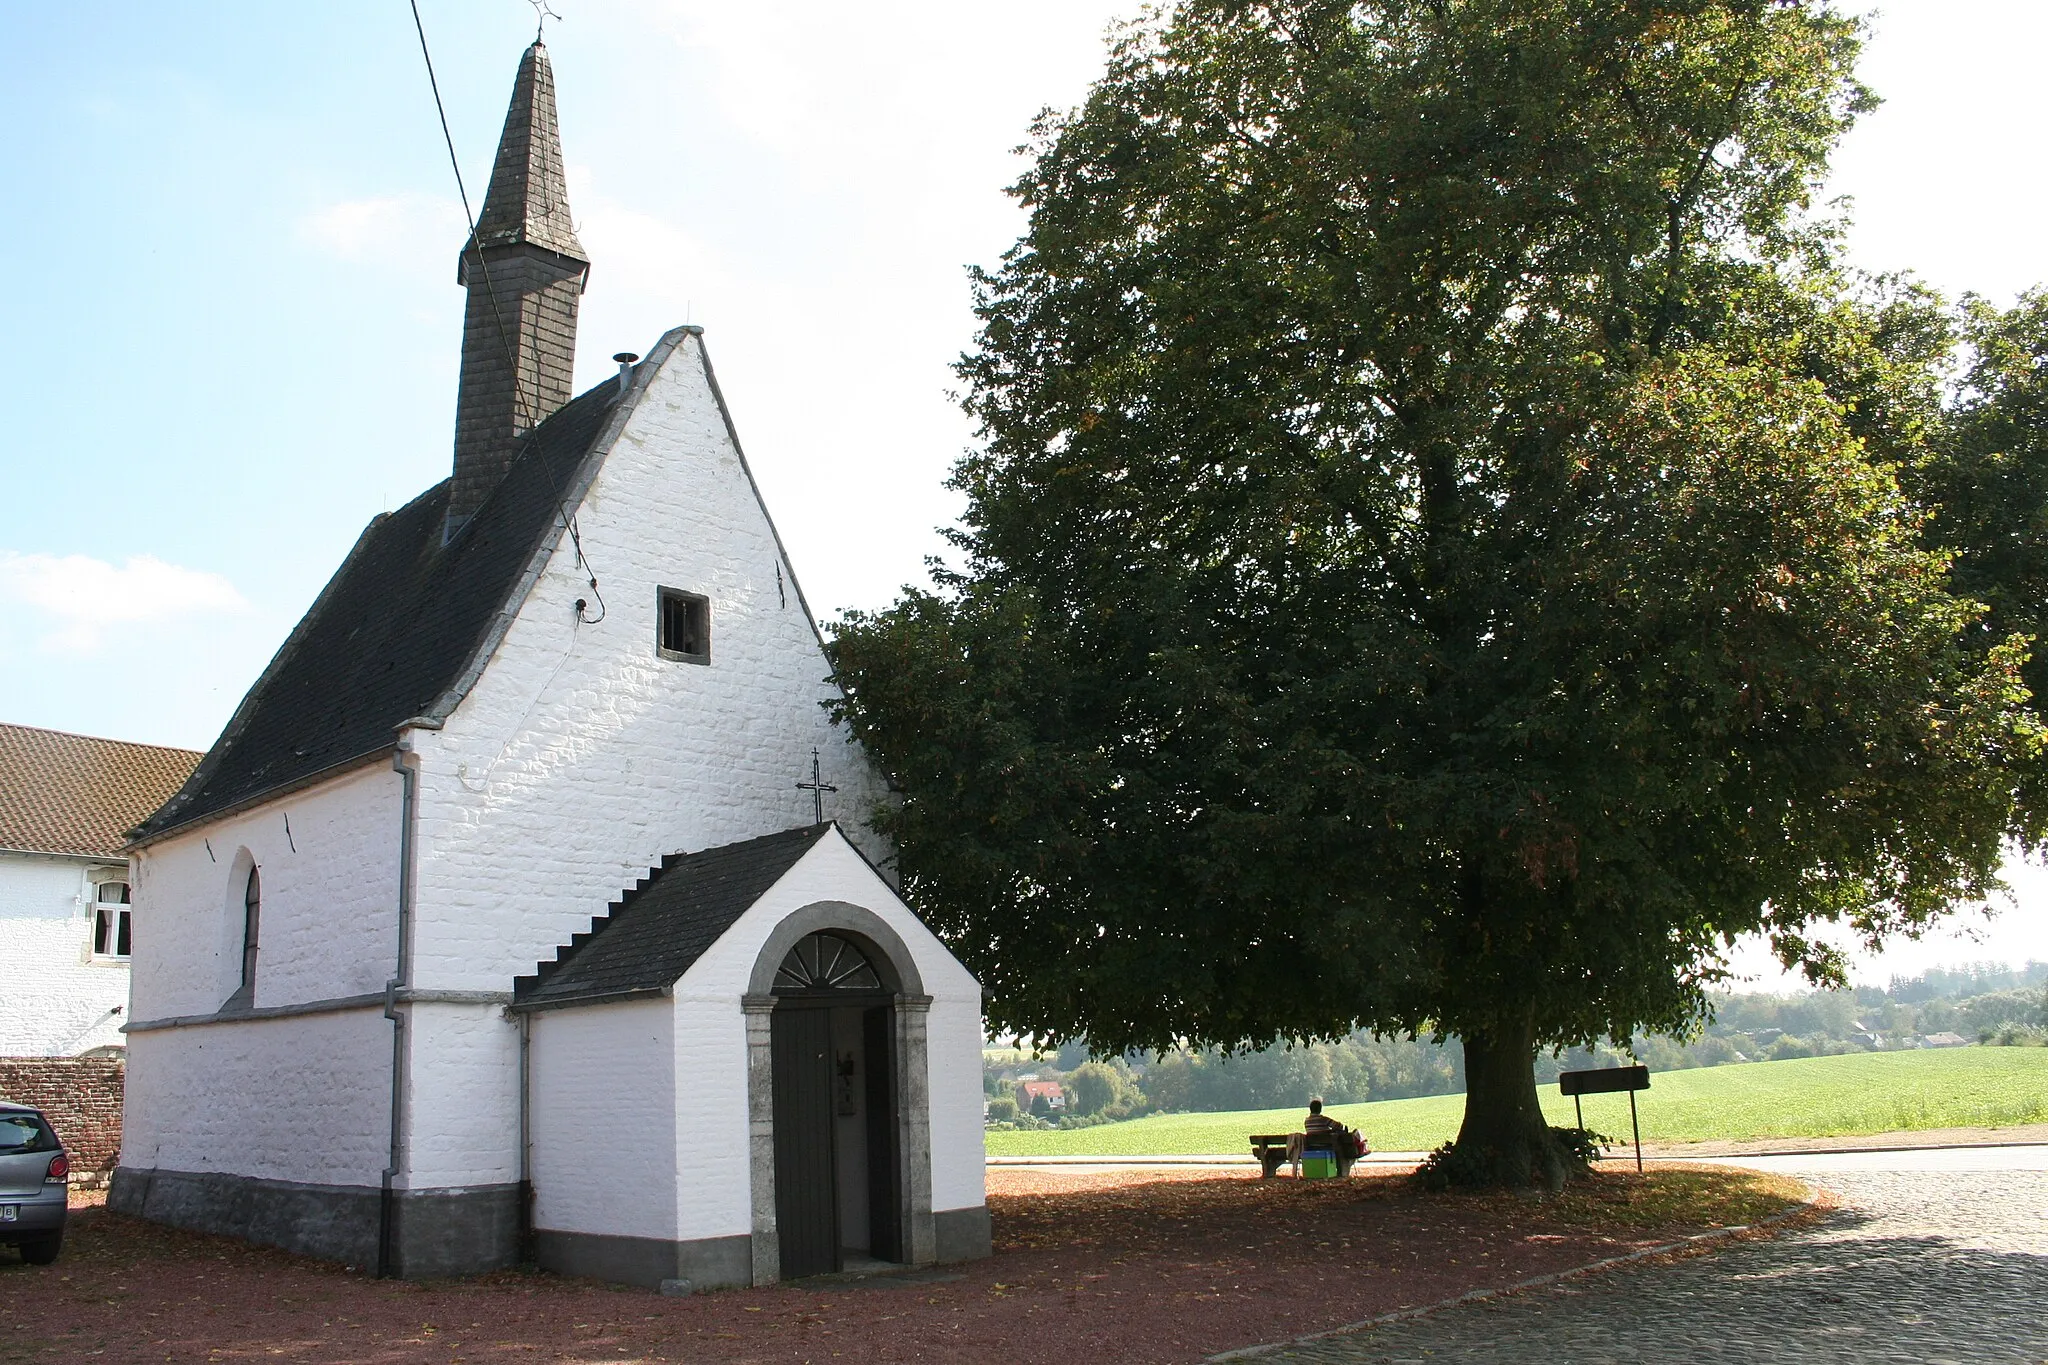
81,1096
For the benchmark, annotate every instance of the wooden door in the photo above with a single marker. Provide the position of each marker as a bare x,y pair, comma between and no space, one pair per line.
806,1188
885,1216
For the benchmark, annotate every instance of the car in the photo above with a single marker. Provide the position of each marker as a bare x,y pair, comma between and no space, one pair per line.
35,1184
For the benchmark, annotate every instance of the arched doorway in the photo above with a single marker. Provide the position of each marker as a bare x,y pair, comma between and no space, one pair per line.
835,1107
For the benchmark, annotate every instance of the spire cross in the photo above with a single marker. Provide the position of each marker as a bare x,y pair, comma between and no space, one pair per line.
541,15
817,788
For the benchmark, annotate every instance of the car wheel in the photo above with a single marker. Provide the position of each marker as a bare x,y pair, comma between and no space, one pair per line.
42,1250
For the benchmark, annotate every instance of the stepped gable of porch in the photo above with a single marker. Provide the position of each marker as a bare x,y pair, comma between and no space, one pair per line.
657,929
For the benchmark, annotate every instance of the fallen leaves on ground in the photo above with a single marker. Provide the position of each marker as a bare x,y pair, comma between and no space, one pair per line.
1138,1266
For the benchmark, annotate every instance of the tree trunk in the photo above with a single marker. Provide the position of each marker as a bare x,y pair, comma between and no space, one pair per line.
1505,1140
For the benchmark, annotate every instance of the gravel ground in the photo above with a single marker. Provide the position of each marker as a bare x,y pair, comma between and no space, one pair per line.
1140,1267
1914,1265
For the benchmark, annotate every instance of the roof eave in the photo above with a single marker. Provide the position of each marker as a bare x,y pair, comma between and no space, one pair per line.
203,772
601,998
68,855
139,841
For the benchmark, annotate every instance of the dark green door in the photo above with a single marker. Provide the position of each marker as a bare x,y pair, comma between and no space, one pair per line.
885,1228
806,1188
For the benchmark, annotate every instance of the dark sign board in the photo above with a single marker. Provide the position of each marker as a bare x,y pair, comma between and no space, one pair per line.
1605,1081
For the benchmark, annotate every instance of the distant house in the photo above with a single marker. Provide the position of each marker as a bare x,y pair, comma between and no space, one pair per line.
66,805
1944,1040
1027,1091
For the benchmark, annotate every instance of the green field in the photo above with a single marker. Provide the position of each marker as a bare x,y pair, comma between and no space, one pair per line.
1868,1092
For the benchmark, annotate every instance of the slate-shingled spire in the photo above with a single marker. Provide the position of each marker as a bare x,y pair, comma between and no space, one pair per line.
525,271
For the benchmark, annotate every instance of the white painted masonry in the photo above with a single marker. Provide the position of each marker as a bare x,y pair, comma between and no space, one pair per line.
56,998
302,1099
330,900
604,1137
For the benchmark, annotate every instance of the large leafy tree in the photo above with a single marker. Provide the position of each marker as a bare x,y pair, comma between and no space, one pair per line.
1986,473
1434,559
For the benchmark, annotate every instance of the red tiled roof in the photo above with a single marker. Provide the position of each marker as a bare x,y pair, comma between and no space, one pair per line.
64,793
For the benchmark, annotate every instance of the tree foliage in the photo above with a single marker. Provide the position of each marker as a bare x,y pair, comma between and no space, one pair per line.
1434,559
1987,473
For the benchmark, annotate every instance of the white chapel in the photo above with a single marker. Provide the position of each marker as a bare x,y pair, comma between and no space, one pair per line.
497,924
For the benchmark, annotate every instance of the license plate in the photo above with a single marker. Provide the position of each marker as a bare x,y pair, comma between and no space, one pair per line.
8,1213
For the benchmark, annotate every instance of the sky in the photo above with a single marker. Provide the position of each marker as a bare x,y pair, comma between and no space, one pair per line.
232,334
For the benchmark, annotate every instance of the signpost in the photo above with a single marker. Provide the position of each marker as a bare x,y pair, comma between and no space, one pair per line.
1605,1081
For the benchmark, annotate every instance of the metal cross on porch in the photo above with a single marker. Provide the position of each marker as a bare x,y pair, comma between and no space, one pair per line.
817,787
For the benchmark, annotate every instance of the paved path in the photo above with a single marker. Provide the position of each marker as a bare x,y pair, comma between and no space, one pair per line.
1933,1257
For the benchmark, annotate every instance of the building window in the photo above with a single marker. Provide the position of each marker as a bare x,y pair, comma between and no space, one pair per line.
252,917
110,921
683,632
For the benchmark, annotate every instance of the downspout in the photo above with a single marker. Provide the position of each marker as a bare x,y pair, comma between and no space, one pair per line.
527,1248
401,979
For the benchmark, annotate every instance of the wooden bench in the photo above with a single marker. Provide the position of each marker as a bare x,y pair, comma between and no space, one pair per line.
1274,1150
1271,1151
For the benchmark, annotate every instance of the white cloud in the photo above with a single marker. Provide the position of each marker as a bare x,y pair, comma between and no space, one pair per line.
84,598
407,227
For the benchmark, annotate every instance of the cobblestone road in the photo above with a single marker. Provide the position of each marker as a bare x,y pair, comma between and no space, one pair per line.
1917,1265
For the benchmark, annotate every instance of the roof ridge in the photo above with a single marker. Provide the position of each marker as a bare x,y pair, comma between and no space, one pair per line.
97,739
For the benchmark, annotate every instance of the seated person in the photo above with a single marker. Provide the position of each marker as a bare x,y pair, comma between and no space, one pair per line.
1319,1125
1320,1132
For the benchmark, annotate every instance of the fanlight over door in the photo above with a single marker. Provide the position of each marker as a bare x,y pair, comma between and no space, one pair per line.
826,962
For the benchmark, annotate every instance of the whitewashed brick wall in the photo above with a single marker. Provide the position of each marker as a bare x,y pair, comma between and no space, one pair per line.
462,1105
603,1139
330,900
305,1099
55,999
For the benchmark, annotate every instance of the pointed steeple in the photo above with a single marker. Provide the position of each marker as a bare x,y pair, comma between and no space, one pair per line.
525,272
528,200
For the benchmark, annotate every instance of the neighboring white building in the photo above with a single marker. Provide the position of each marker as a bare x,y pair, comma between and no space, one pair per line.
498,917
67,803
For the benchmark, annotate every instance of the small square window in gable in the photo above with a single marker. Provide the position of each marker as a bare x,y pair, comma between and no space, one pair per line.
683,626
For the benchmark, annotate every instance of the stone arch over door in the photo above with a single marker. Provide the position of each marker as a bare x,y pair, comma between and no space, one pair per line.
911,1007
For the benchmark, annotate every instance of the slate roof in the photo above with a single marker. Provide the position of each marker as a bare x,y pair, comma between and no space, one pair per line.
657,930
528,199
75,794
393,635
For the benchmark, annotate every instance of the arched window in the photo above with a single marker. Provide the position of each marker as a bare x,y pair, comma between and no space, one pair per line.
252,917
826,962
110,921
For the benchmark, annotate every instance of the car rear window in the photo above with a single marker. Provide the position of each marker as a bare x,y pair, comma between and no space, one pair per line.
25,1133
